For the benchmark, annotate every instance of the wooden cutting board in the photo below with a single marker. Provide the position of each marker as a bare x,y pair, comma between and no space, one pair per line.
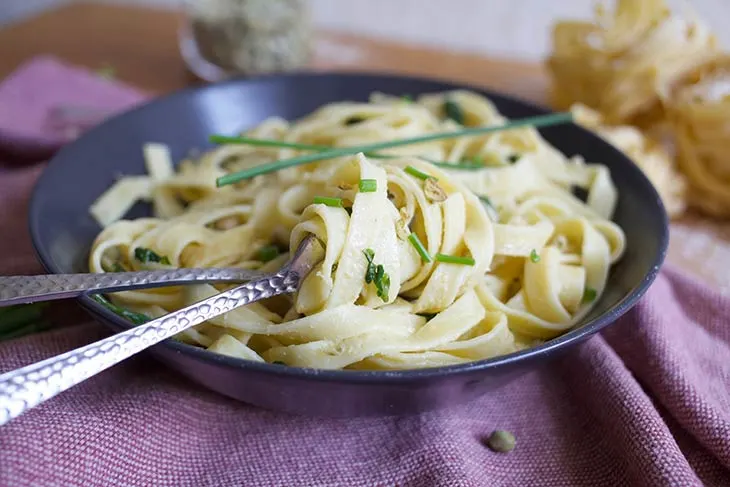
141,45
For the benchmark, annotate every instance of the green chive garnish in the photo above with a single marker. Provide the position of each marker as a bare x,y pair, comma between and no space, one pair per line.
416,242
539,121
267,253
589,294
453,259
379,272
534,256
460,166
326,200
512,158
407,98
136,318
226,139
115,267
383,285
368,185
416,173
454,112
370,270
145,256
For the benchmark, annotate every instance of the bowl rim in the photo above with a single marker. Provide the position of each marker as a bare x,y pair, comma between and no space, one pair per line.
573,336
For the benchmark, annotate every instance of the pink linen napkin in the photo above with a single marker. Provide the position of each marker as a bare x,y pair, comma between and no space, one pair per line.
37,90
646,403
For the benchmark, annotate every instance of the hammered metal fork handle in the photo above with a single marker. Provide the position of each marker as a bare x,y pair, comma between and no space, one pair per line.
27,289
29,386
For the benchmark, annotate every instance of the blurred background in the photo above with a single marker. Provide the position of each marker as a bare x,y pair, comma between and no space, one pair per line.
509,28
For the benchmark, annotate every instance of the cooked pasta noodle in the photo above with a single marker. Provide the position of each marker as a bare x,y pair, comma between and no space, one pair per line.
615,63
648,154
425,264
698,109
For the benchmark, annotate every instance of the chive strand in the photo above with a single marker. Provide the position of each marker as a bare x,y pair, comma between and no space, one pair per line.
416,242
328,201
368,185
539,121
416,173
229,139
453,259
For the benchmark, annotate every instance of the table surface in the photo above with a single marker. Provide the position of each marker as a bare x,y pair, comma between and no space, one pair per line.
141,45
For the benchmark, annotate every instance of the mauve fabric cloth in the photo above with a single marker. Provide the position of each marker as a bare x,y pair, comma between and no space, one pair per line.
45,83
646,403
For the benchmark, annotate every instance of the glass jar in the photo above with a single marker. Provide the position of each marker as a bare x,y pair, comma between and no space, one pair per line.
224,38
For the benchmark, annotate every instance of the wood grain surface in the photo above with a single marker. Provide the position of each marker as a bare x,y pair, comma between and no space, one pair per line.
142,46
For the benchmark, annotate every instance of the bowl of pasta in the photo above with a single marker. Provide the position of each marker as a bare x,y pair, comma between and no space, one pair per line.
463,244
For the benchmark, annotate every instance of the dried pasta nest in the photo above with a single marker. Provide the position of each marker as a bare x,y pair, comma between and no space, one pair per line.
698,111
648,154
615,63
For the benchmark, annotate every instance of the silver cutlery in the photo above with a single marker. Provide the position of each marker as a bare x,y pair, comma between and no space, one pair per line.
24,388
30,289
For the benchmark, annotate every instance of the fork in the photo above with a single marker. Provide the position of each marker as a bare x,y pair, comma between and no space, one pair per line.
25,388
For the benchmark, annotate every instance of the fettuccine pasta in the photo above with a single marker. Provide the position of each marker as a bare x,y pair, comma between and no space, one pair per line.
651,157
425,264
698,110
615,64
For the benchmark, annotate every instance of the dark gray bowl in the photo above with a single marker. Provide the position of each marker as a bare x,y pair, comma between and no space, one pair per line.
62,232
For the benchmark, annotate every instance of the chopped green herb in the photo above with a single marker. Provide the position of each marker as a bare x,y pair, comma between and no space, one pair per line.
376,274
136,318
534,256
115,267
331,153
453,259
501,441
145,256
354,120
512,158
407,98
267,253
368,185
418,174
383,286
454,112
370,270
589,294
379,272
472,163
459,166
416,242
325,200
